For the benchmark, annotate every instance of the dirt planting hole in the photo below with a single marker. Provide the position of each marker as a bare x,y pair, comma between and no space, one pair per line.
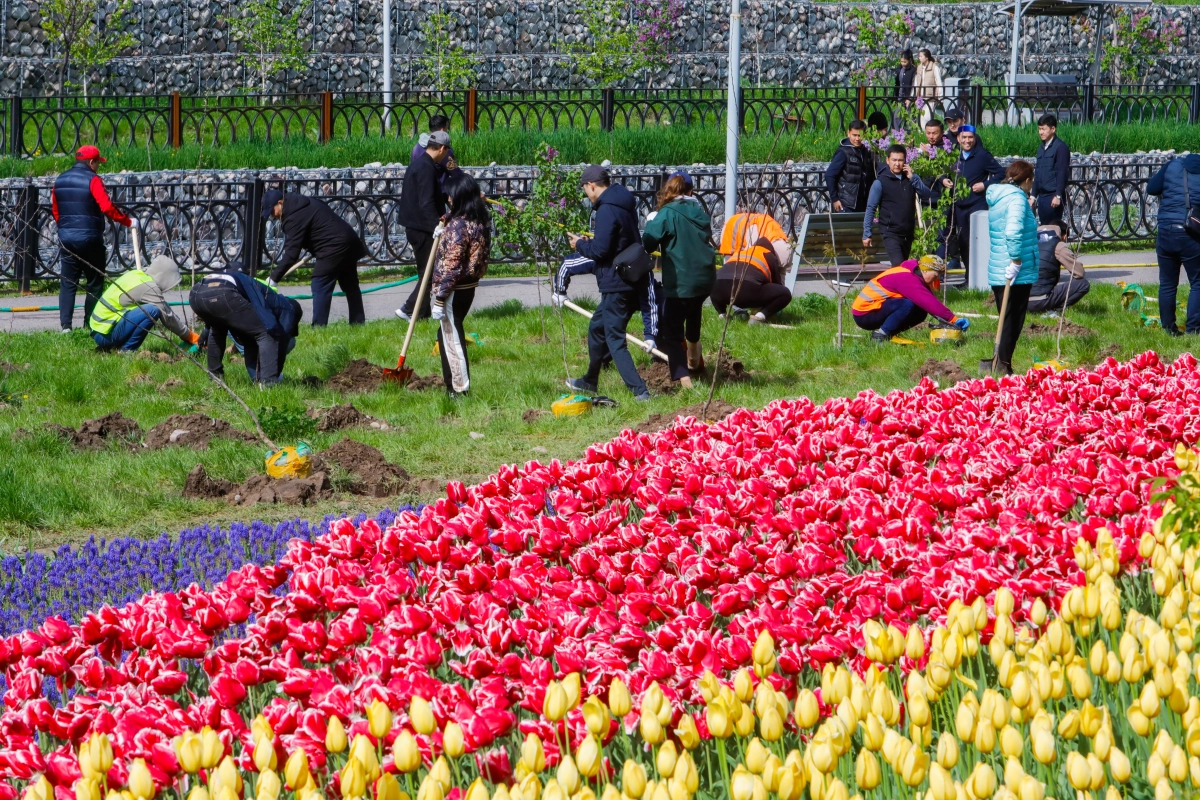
373,475
96,434
359,375
193,430
717,410
946,373
340,417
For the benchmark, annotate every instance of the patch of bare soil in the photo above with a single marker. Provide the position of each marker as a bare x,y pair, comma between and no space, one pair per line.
658,376
1069,329
717,411
359,375
96,434
374,475
532,415
419,384
8,366
347,416
150,355
946,372
198,486
1112,351
658,379
194,431
258,489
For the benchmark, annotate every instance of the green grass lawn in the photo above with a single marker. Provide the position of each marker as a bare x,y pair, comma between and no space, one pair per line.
660,145
52,494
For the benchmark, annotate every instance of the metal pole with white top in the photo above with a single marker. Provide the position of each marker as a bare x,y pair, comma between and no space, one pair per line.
387,65
1012,65
731,113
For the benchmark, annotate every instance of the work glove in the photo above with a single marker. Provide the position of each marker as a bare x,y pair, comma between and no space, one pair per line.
438,311
439,230
133,223
1012,271
194,350
192,338
651,215
962,323
271,282
649,345
557,300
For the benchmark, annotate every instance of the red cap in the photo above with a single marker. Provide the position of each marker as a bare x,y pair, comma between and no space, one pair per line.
88,152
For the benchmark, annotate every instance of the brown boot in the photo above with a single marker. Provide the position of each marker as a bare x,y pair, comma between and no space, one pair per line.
695,357
685,382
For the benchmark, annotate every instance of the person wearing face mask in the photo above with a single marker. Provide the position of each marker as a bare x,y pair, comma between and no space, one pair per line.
1013,266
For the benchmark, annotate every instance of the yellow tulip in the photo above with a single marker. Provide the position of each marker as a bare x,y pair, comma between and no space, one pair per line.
421,716
1163,790
452,740
771,725
836,790
983,781
335,736
1177,767
913,767
687,732
140,782
295,769
554,705
198,793
1141,724
1037,615
554,791
1011,742
756,756
867,773
947,750
388,788
595,716
964,722
742,786
1078,772
1068,726
744,724
808,710
873,733
477,791
362,750
1014,773
353,779
531,788
268,786
1156,768
1043,747
687,774
405,753
823,757
379,719
764,648
225,776
619,701
666,759
914,644
264,754
633,779
651,729
572,685
1102,744
440,772
941,783
430,789
791,782
188,749
39,790
717,718
985,736
87,789
568,775
660,792
212,749
533,754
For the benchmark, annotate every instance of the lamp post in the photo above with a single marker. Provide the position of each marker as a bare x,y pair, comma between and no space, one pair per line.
732,123
387,65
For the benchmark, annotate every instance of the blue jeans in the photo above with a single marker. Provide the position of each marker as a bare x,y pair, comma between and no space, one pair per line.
1176,247
130,330
896,315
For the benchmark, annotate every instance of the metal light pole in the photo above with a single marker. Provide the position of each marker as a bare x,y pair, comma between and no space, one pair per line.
731,113
387,65
1012,64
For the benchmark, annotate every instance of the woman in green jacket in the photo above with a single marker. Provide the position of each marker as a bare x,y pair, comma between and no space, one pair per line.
682,231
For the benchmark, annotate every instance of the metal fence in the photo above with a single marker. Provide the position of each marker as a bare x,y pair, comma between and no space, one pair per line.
57,125
204,222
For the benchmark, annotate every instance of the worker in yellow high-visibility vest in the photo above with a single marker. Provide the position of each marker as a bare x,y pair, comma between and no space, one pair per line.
133,303
901,297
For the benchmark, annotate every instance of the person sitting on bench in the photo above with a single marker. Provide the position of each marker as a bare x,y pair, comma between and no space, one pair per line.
1050,291
901,298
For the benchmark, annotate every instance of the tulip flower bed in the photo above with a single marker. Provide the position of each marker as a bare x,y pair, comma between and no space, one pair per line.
615,607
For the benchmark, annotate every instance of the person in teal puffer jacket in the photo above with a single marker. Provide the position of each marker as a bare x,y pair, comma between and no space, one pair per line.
1014,257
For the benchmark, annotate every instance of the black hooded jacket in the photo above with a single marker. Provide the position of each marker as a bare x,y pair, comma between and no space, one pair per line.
615,227
309,224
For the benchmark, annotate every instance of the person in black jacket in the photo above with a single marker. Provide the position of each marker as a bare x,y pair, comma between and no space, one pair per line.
1177,185
263,321
422,204
311,225
1051,173
849,175
894,194
978,169
906,73
615,227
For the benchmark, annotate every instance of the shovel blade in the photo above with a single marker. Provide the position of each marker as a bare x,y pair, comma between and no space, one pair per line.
401,374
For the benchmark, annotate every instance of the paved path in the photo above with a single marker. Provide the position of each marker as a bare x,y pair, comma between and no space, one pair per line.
493,291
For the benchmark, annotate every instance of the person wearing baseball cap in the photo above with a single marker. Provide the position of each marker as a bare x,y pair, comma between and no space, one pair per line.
80,204
420,208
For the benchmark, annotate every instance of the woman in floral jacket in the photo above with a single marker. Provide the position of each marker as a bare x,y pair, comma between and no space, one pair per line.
462,260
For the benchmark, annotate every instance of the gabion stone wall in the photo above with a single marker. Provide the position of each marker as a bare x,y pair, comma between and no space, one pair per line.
183,45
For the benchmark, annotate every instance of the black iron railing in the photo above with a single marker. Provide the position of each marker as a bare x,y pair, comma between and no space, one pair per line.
58,125
205,222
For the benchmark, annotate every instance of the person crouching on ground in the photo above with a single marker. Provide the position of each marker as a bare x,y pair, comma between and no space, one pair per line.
132,304
261,319
757,257
1012,233
901,298
682,230
462,260
1051,291
894,195
615,228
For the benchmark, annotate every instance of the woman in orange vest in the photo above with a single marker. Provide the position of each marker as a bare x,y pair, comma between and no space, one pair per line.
901,297
757,256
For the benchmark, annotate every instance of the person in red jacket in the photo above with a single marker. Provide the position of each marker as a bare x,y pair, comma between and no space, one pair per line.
901,297
80,204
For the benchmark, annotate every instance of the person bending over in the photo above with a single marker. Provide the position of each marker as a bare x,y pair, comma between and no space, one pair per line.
757,256
901,298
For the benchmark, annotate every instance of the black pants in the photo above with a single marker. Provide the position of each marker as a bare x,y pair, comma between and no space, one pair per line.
755,292
896,315
452,341
1014,319
1177,248
897,245
606,337
422,244
680,322
225,309
80,260
345,275
1053,300
1046,212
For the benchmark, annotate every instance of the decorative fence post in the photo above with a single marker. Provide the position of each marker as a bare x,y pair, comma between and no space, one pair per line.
252,242
976,105
176,121
608,108
27,239
325,125
862,102
16,136
1089,101
471,116
1194,106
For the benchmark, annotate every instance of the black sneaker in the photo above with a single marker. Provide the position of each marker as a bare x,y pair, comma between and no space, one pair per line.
644,397
880,337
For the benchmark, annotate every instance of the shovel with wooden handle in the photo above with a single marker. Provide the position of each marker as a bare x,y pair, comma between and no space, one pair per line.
1000,326
402,374
135,234
633,339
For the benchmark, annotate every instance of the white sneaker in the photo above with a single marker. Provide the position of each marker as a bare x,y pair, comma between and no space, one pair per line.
400,313
65,330
758,319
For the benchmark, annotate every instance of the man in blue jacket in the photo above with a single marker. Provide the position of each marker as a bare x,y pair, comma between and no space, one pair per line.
1177,185
1051,173
263,321
615,227
978,170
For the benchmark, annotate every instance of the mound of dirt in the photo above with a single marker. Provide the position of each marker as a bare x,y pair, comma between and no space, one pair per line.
658,379
359,375
532,415
289,491
347,416
946,372
732,369
198,486
374,475
658,376
1069,329
194,431
717,411
419,384
95,434
166,358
